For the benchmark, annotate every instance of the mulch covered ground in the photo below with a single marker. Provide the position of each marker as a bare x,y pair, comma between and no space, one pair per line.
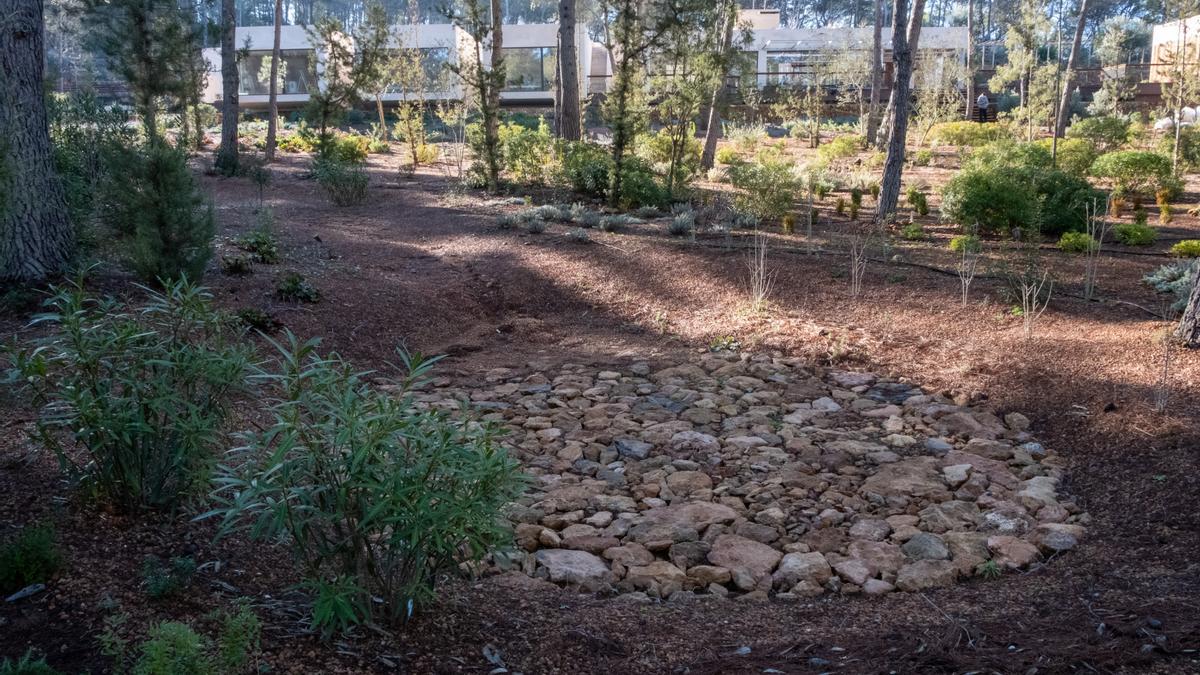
428,268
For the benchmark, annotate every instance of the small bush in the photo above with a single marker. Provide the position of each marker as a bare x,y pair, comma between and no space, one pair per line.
967,133
1075,155
1005,154
1174,279
535,226
640,186
917,200
966,242
1077,242
145,393
1063,201
586,167
27,665
923,157
841,147
348,149
657,149
1188,248
1105,133
914,232
996,200
239,640
579,236
257,319
1134,172
344,182
1135,234
293,287
378,496
840,207
767,186
726,155
527,152
616,222
683,223
1189,146
261,244
155,201
161,579
29,557
236,265
173,648
294,143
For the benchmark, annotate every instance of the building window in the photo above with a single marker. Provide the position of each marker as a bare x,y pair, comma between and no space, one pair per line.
530,69
296,73
435,61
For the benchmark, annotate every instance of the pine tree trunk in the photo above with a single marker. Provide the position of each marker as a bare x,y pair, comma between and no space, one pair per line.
273,106
36,238
970,106
1064,104
913,36
889,188
1189,325
227,157
873,113
568,122
496,81
712,131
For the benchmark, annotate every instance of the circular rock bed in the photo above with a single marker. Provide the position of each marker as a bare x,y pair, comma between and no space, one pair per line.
749,474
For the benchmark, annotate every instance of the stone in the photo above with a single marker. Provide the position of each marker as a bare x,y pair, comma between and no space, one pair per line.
1054,538
574,567
949,516
826,404
926,574
914,477
1011,552
797,567
877,587
629,555
1038,491
660,571
1016,421
938,446
631,448
738,553
686,483
956,474
706,575
925,546
852,570
761,533
879,557
689,553
694,442
967,550
872,529
990,449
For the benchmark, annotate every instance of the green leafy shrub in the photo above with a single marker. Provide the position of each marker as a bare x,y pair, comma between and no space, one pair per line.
966,242
1006,154
914,232
154,200
1063,201
1075,155
923,157
256,319
144,393
586,167
768,186
527,152
841,147
1134,172
87,137
917,200
726,155
348,149
967,133
261,244
294,143
996,200
344,182
1106,133
1174,279
1077,242
379,497
1188,248
640,186
27,665
29,557
657,149
239,640
1189,147
293,287
173,648
1135,234
161,579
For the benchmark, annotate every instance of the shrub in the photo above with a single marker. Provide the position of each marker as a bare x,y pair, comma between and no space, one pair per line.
236,265
155,201
966,242
535,226
996,200
293,287
1106,133
145,393
1005,154
1135,234
29,557
745,136
1075,155
726,155
344,182
1077,242
295,142
173,648
1174,279
257,319
767,186
841,147
586,167
917,200
378,496
348,148
913,232
239,640
617,222
1189,146
967,133
840,207
161,579
260,243
683,223
526,152
1188,248
923,157
87,138
1134,172
640,186
27,665
657,148
1063,201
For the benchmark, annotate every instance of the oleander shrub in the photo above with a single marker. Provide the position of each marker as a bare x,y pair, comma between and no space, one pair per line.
1077,242
1188,248
1134,234
344,182
964,133
134,402
1134,172
28,556
1106,133
378,496
767,186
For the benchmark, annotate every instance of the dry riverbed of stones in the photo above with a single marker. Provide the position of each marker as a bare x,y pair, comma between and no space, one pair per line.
755,475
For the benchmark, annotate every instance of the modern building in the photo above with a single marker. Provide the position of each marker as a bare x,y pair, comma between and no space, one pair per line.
530,54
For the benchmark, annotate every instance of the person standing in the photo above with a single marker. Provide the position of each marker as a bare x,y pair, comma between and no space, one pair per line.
981,108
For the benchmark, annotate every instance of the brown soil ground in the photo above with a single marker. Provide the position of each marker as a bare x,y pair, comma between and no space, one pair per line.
426,267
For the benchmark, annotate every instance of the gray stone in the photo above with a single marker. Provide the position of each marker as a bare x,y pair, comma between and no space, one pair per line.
797,567
574,567
632,448
925,574
925,546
